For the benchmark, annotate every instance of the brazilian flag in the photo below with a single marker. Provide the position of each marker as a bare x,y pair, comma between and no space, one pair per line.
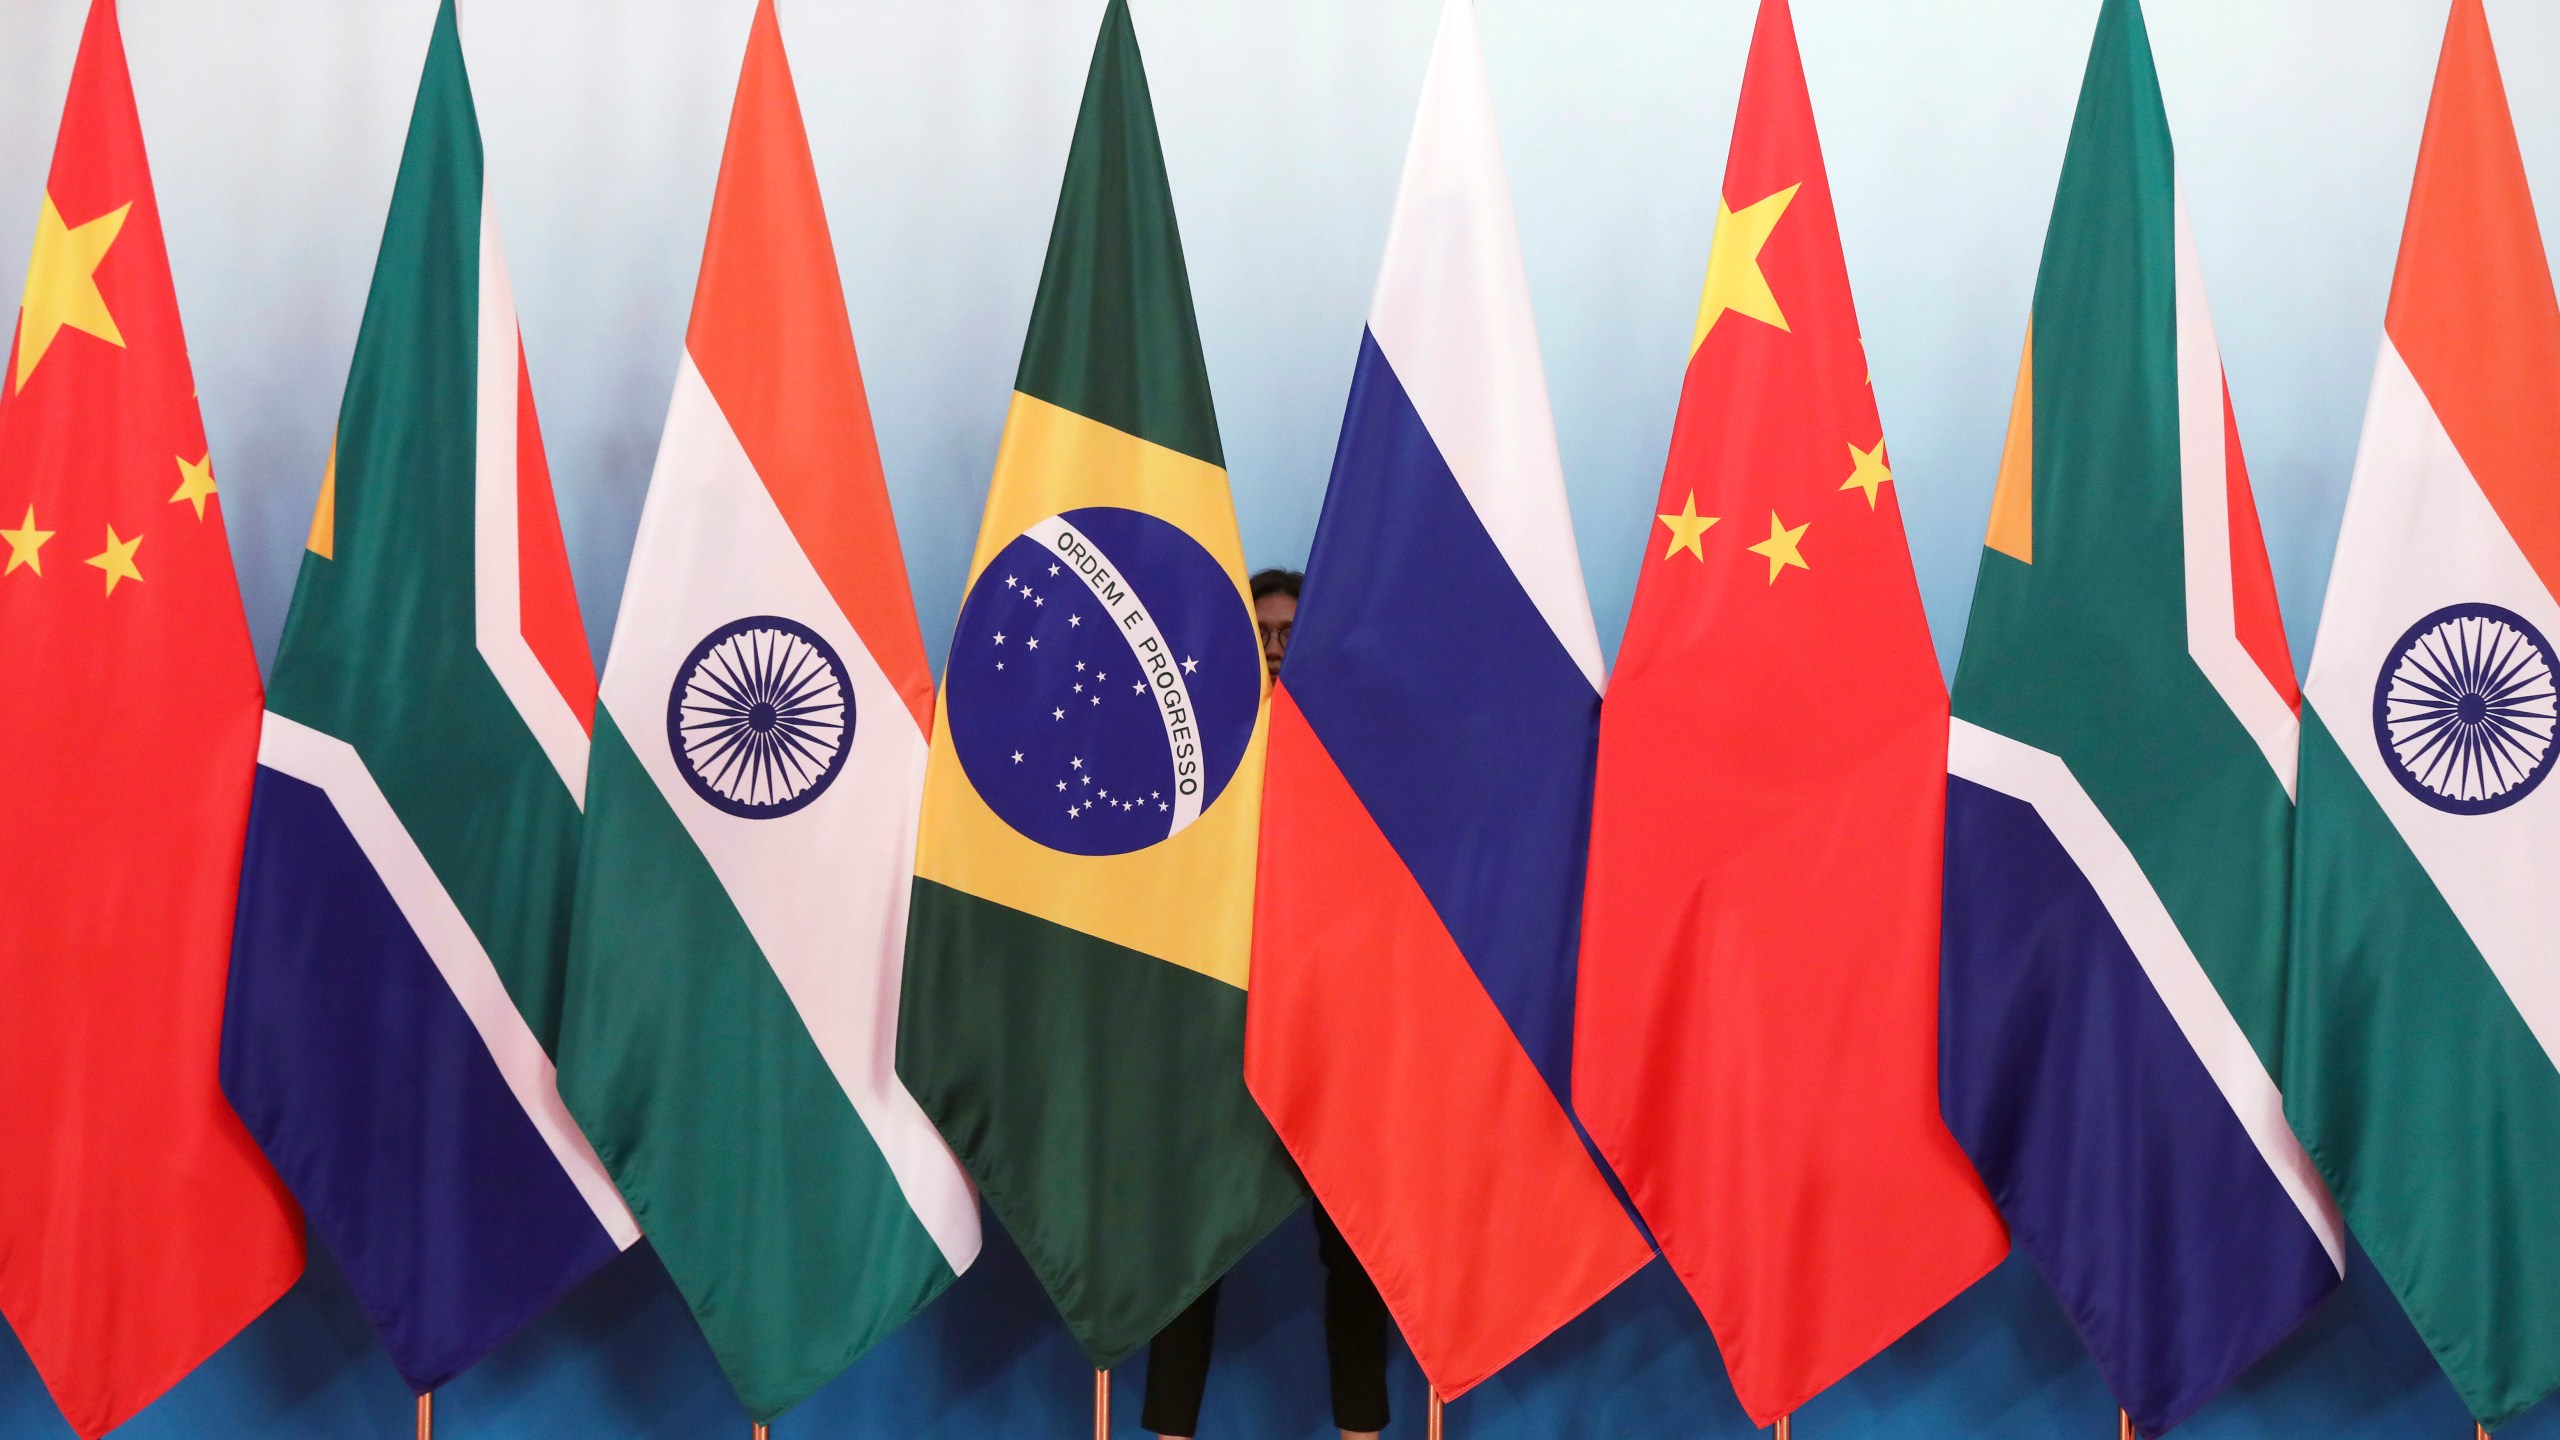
1073,1017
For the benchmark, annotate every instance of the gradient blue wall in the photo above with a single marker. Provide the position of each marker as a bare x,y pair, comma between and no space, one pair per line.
939,130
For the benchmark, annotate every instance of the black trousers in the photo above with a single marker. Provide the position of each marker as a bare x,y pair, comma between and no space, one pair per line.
1355,1348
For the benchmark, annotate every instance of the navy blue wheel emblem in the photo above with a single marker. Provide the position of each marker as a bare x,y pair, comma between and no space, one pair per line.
2465,709
761,716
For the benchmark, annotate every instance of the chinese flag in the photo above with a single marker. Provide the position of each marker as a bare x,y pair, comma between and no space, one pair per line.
1756,1041
139,1227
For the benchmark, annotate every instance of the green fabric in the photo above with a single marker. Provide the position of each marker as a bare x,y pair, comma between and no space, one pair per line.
2431,1109
1067,1073
741,1157
380,648
1112,333
2084,652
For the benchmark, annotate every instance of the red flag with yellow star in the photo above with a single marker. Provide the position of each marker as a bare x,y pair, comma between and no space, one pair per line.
1756,1040
139,1226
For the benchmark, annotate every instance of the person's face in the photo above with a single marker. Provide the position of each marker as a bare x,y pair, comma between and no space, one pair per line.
1273,615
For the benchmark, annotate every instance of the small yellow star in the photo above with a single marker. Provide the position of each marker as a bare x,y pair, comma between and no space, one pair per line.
24,542
1734,281
195,481
117,559
1780,547
1686,527
62,284
1867,470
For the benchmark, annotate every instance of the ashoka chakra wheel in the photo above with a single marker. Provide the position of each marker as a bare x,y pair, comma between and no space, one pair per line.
2465,709
761,716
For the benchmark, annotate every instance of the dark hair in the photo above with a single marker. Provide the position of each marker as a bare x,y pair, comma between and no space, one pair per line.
1277,582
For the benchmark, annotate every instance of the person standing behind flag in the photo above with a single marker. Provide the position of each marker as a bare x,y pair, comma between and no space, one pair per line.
139,1226
1355,1318
1756,1041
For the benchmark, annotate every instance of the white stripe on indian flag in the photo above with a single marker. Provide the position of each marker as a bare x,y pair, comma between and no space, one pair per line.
824,889
331,764
497,559
2204,505
2043,780
2418,536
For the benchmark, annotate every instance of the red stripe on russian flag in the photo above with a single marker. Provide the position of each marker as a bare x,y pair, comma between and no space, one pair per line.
1452,1103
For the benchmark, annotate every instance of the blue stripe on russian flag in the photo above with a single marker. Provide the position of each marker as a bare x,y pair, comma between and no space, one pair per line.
1460,720
2119,1164
366,1084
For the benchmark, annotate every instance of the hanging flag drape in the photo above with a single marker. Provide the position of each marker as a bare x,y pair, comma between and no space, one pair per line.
404,901
139,1226
1075,1006
1756,1042
1425,825
2119,805
742,896
2423,1015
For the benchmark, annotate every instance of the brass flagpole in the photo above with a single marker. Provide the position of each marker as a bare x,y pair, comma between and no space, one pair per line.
427,1416
1431,1426
2124,1425
1783,1426
1101,1405
2479,1431
762,1433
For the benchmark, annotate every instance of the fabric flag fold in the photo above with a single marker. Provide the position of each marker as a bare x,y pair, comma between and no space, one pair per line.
1425,822
2119,805
2423,1010
1756,1029
404,901
1075,1007
139,1226
732,994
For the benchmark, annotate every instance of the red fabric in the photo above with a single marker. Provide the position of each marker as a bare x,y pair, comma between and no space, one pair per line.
546,599
139,1226
1756,1041
1449,1168
2254,613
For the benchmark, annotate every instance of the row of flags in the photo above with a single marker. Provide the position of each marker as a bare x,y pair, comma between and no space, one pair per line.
1784,962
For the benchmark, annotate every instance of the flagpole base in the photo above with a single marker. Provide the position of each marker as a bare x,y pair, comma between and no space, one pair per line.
427,1416
1101,1405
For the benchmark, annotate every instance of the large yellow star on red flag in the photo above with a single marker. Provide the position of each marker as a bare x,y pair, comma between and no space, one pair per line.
1686,527
1734,281
62,284
1867,471
1780,547
24,543
117,559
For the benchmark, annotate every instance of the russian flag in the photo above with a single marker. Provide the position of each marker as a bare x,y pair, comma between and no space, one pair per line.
1429,795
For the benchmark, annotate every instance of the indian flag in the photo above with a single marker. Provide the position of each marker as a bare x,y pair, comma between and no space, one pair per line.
2424,1000
1084,891
751,813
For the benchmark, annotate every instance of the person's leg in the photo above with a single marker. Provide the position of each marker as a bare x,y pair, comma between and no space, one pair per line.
1355,1335
1178,1369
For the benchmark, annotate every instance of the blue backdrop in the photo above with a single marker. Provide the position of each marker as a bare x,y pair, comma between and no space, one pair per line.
939,131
